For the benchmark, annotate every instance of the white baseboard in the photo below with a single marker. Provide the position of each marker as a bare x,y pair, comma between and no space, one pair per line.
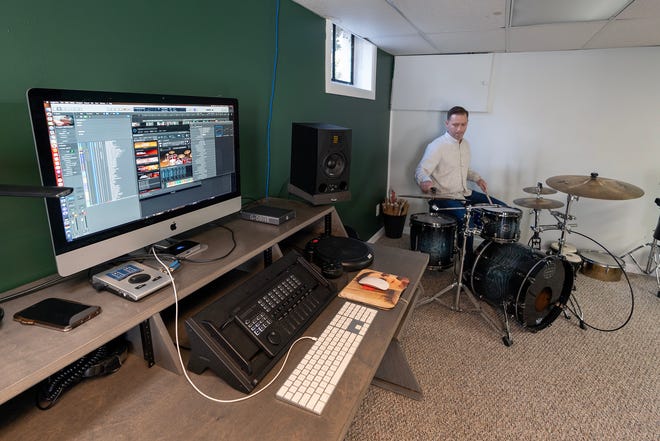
377,235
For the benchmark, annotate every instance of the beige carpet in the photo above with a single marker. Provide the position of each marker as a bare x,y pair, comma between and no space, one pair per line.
563,382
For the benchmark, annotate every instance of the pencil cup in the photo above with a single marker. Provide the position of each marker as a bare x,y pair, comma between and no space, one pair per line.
394,225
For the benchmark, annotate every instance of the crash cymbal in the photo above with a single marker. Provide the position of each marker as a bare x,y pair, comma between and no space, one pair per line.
538,203
594,187
541,190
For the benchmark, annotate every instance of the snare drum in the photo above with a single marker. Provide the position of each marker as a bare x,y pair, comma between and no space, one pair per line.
600,265
499,224
435,234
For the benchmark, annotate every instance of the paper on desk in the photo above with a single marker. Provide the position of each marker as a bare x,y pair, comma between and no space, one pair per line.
372,296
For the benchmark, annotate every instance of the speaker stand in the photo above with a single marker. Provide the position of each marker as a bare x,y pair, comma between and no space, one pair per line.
320,198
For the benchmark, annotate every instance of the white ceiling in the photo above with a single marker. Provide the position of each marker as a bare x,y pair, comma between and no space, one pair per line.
415,27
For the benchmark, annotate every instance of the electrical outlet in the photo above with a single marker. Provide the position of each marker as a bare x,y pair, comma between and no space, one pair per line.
377,210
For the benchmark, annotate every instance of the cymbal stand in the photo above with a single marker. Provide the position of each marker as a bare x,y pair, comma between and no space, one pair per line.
535,240
459,287
653,261
564,227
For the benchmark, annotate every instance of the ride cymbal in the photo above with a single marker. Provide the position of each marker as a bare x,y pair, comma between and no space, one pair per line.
539,190
594,187
538,203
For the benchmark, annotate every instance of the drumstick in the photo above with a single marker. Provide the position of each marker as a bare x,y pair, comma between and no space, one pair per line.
489,200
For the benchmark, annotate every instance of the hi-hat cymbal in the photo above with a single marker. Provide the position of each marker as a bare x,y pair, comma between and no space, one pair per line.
594,187
538,203
541,190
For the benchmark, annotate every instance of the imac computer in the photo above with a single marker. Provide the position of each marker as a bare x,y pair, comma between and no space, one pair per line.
143,168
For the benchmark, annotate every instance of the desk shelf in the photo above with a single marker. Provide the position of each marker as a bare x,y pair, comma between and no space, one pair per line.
157,402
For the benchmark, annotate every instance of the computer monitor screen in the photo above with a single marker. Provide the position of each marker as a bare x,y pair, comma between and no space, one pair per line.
143,167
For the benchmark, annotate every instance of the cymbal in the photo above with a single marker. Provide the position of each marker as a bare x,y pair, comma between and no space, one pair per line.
542,190
538,203
594,187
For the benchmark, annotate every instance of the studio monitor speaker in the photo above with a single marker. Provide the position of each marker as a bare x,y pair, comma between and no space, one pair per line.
320,162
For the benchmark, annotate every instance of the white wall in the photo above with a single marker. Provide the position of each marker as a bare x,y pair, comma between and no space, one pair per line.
557,113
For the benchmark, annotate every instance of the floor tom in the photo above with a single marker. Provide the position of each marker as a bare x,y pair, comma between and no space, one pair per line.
435,234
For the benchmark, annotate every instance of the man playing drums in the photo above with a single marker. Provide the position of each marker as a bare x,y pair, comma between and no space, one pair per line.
445,169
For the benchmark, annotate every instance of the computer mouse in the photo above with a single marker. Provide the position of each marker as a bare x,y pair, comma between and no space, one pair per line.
374,282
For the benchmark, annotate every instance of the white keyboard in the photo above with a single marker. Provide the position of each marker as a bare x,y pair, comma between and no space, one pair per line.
311,384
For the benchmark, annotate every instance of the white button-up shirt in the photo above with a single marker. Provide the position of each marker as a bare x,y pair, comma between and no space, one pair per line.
446,163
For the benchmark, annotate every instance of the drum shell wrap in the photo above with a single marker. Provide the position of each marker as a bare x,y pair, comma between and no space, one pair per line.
434,234
531,285
499,224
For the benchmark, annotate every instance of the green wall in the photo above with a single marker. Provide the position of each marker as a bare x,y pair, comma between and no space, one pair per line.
208,48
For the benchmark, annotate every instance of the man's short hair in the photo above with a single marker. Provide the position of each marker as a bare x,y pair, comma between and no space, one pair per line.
457,110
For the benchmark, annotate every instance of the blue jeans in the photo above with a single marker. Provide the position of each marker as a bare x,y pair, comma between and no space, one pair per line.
456,208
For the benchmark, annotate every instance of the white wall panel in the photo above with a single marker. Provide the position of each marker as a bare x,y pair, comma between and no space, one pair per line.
437,82
557,113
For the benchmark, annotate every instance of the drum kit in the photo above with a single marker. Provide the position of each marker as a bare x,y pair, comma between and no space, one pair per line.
528,284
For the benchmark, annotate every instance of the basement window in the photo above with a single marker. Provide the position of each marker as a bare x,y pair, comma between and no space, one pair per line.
350,64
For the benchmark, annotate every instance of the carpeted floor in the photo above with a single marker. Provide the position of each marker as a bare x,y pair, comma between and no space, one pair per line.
563,382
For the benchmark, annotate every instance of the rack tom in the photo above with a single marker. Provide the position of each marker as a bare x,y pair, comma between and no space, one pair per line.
499,224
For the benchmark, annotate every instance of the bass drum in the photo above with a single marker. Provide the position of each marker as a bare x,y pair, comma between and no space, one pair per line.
532,286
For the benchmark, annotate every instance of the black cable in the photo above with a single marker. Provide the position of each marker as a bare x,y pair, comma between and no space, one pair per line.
215,259
164,256
45,284
632,296
106,360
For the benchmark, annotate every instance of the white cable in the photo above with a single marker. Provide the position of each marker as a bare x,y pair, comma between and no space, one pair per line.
178,349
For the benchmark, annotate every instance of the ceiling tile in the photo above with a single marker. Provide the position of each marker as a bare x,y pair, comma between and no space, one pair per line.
553,37
365,18
641,9
467,26
628,33
434,16
469,42
404,45
534,12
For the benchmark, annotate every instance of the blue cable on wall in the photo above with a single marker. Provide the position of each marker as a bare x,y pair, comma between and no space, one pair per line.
272,94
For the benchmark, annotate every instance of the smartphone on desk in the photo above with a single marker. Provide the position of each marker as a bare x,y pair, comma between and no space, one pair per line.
55,313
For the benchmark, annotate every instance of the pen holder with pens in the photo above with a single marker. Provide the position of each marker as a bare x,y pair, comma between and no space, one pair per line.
394,216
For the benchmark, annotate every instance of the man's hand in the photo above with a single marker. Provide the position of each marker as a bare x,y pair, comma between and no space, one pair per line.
426,186
482,185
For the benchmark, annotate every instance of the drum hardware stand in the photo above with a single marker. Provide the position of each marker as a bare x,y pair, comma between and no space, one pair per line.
535,240
563,219
459,286
561,225
653,261
564,227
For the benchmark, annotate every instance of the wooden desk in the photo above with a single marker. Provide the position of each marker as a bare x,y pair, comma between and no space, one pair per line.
157,402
